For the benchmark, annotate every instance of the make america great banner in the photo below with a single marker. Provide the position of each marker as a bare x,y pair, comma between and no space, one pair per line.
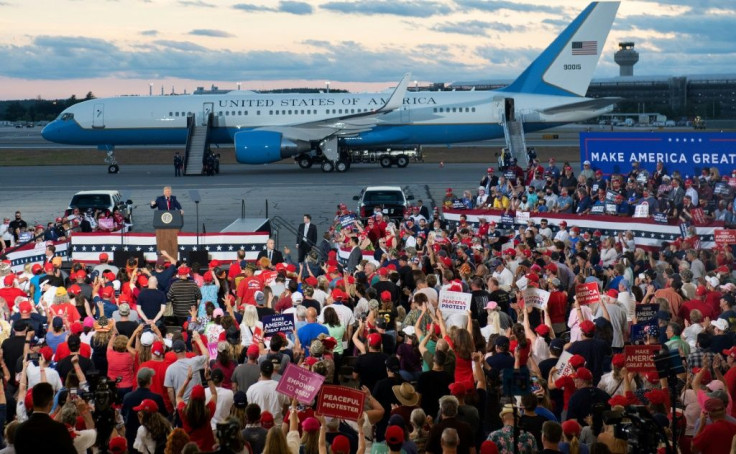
686,152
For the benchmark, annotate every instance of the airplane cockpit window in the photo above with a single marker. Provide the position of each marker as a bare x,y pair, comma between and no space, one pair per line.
66,116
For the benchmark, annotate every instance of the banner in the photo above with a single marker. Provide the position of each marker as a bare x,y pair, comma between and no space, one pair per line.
522,217
278,323
86,247
522,283
638,331
640,358
724,237
646,312
35,253
348,219
454,301
687,152
535,297
587,293
340,402
300,383
648,233
641,210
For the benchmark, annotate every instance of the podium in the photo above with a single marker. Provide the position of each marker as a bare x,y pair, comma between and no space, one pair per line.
167,224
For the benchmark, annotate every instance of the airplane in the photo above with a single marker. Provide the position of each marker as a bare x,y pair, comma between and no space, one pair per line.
322,127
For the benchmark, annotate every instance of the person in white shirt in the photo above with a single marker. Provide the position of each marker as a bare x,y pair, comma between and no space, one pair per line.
613,382
562,234
544,229
43,372
224,398
503,275
320,295
627,299
263,392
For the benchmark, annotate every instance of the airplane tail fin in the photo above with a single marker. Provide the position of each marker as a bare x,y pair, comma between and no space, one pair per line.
566,67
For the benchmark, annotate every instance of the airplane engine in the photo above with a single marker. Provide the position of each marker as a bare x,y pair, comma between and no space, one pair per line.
262,147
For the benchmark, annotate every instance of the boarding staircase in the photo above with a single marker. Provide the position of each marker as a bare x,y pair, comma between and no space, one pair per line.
514,133
197,144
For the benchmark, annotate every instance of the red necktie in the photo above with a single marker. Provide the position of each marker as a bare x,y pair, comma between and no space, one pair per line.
168,204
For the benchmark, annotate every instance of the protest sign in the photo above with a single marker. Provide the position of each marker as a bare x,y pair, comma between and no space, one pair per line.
646,312
340,402
535,297
661,218
597,209
640,358
273,324
722,188
641,210
563,364
300,383
611,195
522,217
611,208
683,229
522,283
638,331
348,219
698,216
454,301
257,335
507,220
587,293
724,237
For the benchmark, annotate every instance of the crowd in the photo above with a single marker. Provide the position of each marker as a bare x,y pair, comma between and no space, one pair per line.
172,357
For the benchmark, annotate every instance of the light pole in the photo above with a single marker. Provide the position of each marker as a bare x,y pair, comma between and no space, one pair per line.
328,86
150,89
239,84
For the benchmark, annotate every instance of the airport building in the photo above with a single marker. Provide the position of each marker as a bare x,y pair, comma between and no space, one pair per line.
711,96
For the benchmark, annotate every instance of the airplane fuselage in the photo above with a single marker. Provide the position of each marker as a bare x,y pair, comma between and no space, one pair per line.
426,117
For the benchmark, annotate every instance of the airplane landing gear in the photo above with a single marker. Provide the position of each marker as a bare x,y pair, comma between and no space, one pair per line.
113,163
304,161
327,166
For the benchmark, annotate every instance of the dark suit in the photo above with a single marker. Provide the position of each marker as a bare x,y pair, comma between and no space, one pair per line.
305,246
41,433
162,205
133,399
276,256
356,256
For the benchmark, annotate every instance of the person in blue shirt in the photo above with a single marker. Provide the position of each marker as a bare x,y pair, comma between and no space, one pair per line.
564,202
35,282
102,300
622,208
311,330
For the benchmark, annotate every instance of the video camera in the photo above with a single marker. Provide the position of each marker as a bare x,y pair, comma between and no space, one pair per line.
637,426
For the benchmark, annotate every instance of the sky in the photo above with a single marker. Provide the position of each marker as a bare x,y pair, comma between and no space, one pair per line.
58,48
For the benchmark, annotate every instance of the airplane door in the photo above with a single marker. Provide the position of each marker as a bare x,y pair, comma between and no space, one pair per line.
207,109
509,109
98,116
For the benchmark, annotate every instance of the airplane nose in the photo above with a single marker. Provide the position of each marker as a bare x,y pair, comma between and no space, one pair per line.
50,132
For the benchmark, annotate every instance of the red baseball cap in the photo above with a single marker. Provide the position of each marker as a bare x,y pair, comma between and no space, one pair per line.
394,435
76,328
104,256
25,307
577,361
157,348
118,445
183,270
311,281
147,405
701,290
613,293
197,392
35,269
542,330
374,340
583,374
618,360
266,419
458,389
340,445
587,327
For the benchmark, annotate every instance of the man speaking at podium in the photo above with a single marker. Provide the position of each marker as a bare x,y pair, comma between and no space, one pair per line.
166,201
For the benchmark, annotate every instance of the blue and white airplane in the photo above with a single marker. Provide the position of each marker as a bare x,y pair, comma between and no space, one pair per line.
319,127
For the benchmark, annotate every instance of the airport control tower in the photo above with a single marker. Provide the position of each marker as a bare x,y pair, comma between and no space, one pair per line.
626,58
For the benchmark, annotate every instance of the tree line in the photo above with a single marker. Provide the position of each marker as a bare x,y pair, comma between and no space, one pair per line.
38,109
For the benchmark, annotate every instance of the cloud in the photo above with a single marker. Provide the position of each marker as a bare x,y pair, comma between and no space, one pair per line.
68,58
298,8
184,46
197,3
474,27
408,8
495,5
149,33
249,7
211,33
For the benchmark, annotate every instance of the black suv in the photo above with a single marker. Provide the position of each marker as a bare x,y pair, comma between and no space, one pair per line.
391,199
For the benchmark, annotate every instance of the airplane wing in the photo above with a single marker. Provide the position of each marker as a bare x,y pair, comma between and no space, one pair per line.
588,104
345,124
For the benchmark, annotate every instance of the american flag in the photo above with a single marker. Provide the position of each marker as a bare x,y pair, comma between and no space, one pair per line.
585,47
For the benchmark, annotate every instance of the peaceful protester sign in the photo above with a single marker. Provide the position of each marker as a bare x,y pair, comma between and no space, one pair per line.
454,301
340,402
537,298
